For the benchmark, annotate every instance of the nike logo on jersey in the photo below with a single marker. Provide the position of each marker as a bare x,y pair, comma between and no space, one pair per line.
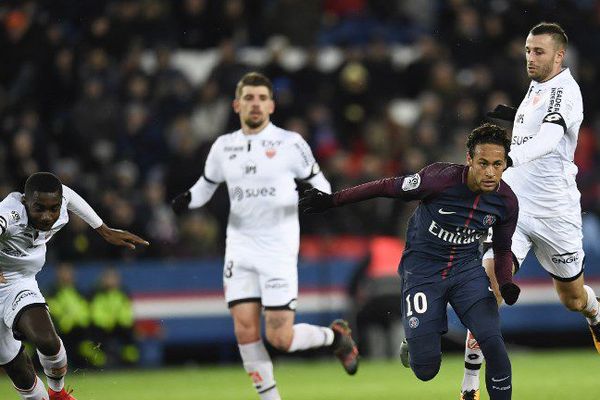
500,380
441,211
490,289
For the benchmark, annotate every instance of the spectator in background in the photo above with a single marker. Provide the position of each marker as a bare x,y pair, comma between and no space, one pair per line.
70,313
112,323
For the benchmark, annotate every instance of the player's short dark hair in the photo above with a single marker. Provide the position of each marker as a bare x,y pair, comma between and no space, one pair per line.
488,134
253,79
553,29
44,182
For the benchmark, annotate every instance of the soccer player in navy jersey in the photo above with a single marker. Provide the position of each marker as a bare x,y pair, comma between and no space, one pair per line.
441,262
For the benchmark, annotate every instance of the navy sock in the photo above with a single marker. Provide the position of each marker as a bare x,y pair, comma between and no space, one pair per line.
498,374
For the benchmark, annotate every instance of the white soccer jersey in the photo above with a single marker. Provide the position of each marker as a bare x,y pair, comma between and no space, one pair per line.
259,170
546,186
22,247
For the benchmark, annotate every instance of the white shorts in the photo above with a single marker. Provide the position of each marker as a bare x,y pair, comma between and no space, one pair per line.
557,243
14,298
273,281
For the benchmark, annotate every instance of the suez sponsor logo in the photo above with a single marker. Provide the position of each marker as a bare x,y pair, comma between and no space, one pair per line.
239,194
565,258
519,140
23,294
461,236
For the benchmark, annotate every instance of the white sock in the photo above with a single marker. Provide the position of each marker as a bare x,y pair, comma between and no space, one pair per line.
259,367
55,368
592,307
308,336
473,361
36,392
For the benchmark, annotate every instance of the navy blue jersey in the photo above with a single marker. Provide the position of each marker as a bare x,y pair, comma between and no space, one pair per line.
444,232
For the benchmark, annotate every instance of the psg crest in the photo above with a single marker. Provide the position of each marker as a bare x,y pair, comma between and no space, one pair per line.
489,220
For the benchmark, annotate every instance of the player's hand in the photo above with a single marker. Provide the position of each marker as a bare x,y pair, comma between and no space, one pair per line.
181,202
315,201
120,237
503,112
510,293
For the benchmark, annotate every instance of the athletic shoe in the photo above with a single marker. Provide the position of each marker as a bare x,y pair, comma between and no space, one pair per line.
344,347
404,354
470,395
62,395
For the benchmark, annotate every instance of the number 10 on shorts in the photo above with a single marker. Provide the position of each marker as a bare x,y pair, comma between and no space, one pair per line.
418,303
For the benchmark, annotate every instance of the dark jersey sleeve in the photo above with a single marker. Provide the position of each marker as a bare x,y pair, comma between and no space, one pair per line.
502,240
430,180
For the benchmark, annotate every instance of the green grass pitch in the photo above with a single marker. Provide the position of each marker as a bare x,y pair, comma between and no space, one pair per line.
545,375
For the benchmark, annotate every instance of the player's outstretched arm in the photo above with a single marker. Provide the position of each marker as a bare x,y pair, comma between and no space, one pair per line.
120,237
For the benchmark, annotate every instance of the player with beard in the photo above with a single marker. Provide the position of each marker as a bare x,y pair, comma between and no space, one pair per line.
441,262
259,163
544,138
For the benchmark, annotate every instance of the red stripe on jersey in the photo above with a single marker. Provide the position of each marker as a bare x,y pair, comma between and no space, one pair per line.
467,222
449,265
475,203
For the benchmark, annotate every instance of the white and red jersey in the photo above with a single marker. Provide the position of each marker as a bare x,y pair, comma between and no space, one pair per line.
259,170
22,247
546,185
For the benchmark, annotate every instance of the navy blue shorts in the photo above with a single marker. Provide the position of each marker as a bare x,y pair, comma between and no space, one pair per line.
424,308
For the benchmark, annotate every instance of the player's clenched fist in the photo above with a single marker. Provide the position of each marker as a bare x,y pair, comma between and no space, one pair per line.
315,201
510,293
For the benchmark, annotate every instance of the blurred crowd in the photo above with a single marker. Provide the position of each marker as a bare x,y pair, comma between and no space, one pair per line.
100,93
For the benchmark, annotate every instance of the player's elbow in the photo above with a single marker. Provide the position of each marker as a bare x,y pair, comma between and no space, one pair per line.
426,372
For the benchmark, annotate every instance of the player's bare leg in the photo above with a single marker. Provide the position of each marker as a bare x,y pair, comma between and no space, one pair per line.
473,355
22,374
256,359
35,324
287,336
577,296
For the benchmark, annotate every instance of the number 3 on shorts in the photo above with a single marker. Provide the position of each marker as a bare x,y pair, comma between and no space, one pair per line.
419,303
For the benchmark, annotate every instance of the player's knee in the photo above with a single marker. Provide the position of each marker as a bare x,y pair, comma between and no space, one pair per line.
48,342
426,372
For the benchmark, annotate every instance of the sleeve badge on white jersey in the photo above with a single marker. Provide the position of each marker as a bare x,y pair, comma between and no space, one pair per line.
411,182
14,216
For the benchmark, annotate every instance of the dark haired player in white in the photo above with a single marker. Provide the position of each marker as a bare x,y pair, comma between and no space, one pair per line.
544,138
441,263
259,163
27,222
